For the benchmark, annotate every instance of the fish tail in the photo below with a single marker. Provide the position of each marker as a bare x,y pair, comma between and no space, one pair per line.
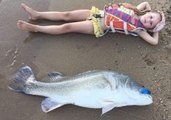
23,80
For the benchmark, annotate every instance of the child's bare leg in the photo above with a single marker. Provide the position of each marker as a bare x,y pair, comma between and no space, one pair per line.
76,15
80,27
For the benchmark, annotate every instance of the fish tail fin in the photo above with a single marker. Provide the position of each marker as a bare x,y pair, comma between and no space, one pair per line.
23,80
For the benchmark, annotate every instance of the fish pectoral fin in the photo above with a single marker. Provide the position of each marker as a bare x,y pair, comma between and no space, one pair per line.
107,108
48,105
55,76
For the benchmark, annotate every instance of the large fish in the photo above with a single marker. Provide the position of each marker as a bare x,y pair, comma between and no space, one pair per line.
92,89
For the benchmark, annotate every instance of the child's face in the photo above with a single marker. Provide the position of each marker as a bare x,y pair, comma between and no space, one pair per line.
150,20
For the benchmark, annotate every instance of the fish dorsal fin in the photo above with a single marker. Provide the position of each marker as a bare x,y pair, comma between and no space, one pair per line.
55,76
48,105
107,108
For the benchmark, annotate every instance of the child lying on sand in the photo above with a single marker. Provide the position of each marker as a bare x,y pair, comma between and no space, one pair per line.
121,17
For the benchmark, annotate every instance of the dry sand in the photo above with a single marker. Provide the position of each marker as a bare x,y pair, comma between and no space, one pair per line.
74,53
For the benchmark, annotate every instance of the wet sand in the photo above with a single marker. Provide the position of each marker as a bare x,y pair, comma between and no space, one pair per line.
74,53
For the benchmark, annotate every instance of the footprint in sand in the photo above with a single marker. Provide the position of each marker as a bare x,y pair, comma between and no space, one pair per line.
168,57
149,60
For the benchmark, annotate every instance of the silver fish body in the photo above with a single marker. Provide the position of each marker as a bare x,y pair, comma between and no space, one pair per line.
93,89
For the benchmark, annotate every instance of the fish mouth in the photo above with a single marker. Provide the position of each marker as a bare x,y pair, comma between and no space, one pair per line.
150,97
151,100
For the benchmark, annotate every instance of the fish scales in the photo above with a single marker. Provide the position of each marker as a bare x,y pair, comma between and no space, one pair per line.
86,82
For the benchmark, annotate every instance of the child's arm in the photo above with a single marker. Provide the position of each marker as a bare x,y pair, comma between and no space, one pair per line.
153,40
144,6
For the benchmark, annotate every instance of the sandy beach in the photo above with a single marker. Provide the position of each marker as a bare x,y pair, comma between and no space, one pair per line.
75,53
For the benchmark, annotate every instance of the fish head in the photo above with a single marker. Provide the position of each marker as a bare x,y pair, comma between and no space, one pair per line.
137,94
128,92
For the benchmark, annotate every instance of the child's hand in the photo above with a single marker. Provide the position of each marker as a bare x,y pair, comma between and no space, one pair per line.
143,12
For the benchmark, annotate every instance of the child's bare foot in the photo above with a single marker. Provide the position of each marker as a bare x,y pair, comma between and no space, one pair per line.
33,14
22,25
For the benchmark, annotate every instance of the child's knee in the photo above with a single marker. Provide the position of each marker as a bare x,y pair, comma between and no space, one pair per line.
67,28
67,16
